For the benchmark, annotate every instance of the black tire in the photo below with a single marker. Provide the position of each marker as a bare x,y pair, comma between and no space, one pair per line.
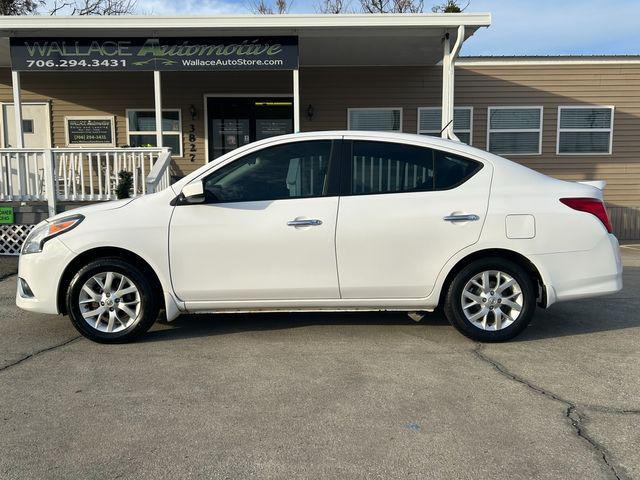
149,303
453,305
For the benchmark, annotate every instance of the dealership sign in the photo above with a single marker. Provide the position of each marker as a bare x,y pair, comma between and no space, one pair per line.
139,53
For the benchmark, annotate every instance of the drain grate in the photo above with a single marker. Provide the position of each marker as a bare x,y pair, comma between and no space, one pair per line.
12,237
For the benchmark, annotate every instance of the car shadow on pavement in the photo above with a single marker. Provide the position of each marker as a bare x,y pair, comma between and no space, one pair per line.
580,317
189,326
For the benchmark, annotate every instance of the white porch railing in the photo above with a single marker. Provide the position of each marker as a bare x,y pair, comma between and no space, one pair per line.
22,174
89,175
159,177
79,174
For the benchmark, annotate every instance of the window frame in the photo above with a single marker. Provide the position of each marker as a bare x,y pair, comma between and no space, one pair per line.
515,130
559,129
334,171
346,171
420,131
154,132
350,109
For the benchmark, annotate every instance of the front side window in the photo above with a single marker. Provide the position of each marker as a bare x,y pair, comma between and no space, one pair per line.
585,130
291,170
141,129
514,130
384,167
430,122
375,119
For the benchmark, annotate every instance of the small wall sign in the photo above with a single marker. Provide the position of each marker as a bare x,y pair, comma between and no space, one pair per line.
90,131
6,215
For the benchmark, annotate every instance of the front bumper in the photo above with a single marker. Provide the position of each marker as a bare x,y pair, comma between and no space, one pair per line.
42,273
582,274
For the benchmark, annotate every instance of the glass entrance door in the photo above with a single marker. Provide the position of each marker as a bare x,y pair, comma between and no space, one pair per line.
236,121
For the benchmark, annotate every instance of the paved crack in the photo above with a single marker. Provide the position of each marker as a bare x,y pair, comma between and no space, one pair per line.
571,413
38,352
611,410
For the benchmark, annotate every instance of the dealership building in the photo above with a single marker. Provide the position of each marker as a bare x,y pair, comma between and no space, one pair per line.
161,96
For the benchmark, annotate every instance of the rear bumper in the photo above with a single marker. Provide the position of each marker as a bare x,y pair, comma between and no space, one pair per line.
583,274
42,273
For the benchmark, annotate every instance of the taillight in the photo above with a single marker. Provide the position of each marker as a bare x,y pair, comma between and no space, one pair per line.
592,206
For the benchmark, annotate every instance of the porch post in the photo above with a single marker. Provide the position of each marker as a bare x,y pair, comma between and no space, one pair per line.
50,181
17,108
448,82
446,66
157,93
296,101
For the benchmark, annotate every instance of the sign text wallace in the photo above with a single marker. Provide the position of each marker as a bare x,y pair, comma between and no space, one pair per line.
136,53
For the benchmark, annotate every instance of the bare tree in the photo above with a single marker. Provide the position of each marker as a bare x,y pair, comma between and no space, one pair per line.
450,6
261,7
392,6
19,7
332,6
93,7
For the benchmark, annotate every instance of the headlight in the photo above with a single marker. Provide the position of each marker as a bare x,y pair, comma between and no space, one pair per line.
47,230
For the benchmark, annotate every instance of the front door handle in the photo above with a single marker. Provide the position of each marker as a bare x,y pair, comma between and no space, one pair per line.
312,222
461,218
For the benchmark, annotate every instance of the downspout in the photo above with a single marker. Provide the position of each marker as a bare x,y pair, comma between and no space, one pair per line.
448,82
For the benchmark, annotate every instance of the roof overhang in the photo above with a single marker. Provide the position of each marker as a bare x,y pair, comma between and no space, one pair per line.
325,40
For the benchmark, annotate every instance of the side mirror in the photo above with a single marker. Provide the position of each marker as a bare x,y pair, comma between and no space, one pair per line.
193,192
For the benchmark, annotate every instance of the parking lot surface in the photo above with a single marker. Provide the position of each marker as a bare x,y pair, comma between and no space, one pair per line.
325,396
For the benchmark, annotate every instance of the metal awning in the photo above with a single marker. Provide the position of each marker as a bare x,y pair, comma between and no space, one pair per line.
324,40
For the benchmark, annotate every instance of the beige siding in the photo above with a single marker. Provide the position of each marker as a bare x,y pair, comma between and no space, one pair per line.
114,93
551,86
332,90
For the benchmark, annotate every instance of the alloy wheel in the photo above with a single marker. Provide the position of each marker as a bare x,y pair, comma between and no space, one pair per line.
109,302
492,300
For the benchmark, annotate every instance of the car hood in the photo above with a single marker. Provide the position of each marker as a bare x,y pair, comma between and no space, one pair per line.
96,207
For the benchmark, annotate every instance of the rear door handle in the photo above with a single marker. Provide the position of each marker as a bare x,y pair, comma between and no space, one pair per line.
461,218
312,222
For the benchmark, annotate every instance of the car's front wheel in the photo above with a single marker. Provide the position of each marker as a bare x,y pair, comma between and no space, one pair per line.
110,300
491,300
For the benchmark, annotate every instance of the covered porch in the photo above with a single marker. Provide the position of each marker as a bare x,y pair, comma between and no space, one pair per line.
314,47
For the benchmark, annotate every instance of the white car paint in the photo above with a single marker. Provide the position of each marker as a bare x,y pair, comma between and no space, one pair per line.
372,252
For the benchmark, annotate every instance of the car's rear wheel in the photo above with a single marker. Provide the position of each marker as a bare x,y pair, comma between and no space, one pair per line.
111,301
491,300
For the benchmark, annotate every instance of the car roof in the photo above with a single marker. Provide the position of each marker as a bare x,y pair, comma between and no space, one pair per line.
426,140
452,146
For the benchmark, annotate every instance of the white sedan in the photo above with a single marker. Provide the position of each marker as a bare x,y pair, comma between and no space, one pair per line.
329,221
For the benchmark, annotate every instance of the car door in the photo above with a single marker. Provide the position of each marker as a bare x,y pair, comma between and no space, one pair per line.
403,215
265,231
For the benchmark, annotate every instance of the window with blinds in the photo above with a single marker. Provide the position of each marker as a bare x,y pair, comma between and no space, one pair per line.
514,130
141,129
375,119
430,122
585,130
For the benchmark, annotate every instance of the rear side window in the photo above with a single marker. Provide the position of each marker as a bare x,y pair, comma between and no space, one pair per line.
452,170
383,167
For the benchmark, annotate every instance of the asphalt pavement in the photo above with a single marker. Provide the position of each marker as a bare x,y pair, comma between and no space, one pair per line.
331,396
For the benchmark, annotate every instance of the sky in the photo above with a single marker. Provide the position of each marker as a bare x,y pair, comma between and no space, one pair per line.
519,27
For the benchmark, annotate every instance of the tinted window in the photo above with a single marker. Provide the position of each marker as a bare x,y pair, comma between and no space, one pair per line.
452,170
292,170
380,167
